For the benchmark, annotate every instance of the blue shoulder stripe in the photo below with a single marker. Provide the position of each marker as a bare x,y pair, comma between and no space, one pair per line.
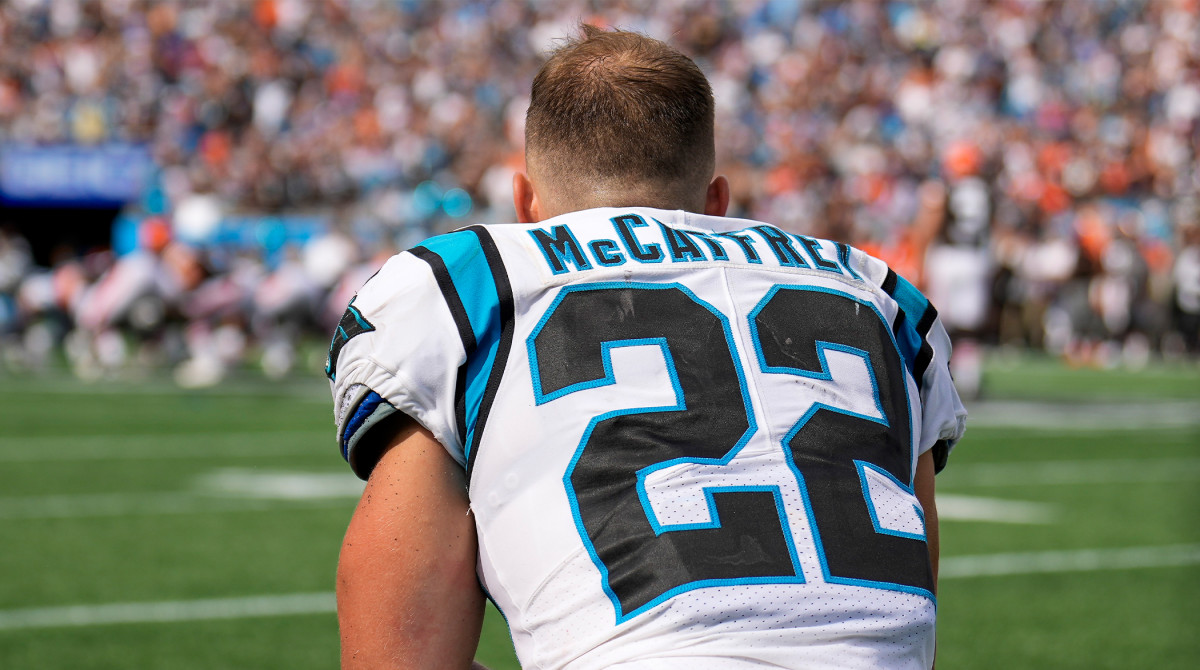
473,281
913,322
462,321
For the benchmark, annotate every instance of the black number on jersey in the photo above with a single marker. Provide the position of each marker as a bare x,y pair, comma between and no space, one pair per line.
793,328
643,563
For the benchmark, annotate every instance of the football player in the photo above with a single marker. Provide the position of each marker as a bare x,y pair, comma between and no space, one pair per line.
654,437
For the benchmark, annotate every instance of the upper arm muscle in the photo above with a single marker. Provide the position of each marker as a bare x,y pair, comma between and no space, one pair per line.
408,596
924,488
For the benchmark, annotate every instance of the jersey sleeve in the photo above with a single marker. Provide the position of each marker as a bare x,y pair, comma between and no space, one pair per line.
944,418
396,351
925,347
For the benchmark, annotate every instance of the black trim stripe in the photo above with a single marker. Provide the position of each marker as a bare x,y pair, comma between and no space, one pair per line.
924,358
926,321
898,327
504,295
455,304
889,283
925,355
460,402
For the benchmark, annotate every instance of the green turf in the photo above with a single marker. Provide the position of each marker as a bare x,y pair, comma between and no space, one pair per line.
101,502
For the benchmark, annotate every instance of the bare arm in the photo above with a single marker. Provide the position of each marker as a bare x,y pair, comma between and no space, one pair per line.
923,487
407,593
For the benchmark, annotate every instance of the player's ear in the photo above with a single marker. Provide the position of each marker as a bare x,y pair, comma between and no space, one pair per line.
525,200
716,201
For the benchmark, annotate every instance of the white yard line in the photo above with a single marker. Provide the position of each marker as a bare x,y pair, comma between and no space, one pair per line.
164,446
281,485
148,504
952,507
1078,560
1055,473
952,567
1084,416
224,490
168,611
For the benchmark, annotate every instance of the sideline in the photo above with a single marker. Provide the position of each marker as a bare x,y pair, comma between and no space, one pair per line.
952,567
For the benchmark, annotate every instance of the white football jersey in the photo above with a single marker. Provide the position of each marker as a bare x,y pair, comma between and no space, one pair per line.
690,441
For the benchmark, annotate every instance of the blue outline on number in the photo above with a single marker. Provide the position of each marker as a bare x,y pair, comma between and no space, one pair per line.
609,377
659,529
752,428
862,479
787,439
822,347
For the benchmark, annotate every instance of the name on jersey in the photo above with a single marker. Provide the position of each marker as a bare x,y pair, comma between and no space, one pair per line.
637,241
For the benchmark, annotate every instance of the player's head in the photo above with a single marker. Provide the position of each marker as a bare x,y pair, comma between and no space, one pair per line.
618,119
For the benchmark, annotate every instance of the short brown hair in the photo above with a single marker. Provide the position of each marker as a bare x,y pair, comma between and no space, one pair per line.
619,106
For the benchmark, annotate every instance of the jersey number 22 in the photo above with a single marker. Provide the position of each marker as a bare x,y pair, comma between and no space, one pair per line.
844,466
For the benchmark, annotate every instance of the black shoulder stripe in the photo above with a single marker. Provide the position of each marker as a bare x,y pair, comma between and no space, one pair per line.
889,283
504,295
898,326
926,321
925,353
450,293
924,357
460,401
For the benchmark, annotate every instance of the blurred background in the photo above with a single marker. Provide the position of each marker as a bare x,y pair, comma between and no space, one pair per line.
191,192
203,185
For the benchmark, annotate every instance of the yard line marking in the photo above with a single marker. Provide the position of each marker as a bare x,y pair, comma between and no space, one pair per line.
41,448
952,567
145,504
169,611
1109,471
1079,560
281,485
1084,416
224,490
972,508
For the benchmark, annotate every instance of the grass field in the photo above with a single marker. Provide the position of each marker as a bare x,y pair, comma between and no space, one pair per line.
146,527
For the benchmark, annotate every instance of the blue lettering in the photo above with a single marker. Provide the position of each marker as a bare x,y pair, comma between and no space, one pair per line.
718,252
745,243
682,248
814,252
606,252
643,254
560,248
844,259
781,245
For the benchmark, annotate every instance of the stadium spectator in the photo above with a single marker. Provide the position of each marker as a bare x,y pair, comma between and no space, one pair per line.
1057,130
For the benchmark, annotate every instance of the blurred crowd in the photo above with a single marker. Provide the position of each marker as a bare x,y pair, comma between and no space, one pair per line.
1032,165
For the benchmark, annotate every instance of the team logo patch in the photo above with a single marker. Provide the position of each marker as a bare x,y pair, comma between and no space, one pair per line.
352,324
